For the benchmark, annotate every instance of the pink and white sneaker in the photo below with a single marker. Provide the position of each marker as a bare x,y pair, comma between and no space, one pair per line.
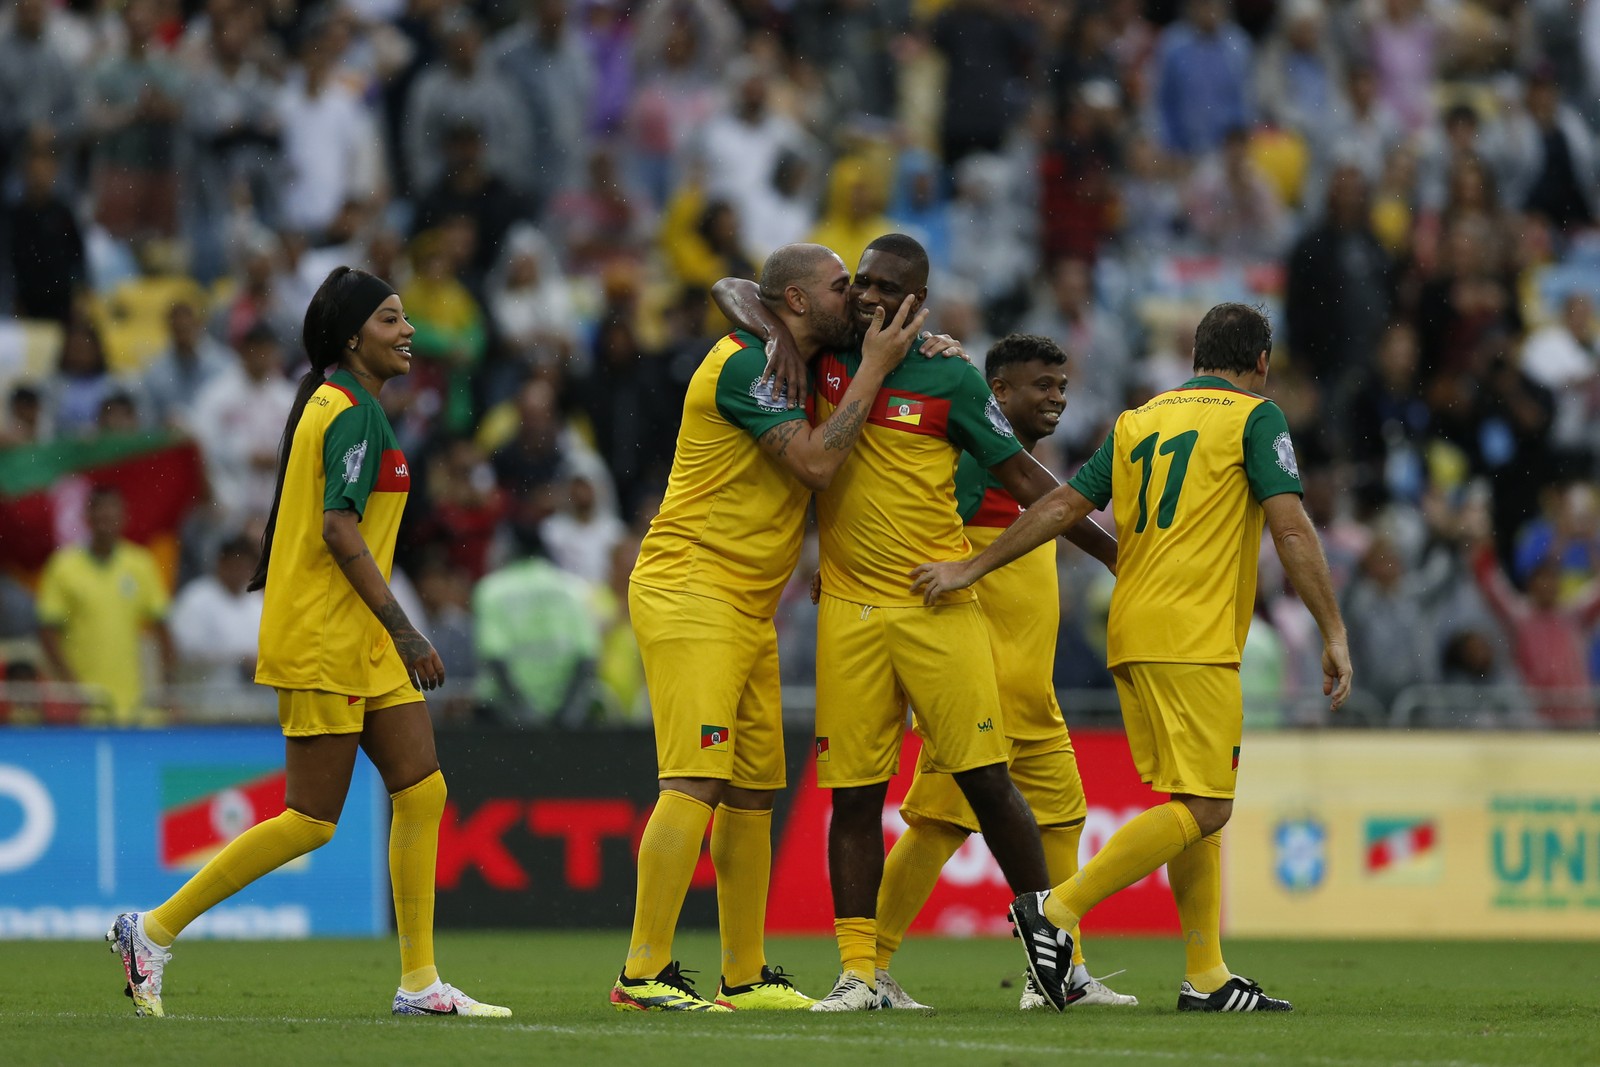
142,962
441,998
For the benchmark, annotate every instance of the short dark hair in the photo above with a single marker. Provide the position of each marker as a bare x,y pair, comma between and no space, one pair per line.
1231,337
790,265
1021,348
905,247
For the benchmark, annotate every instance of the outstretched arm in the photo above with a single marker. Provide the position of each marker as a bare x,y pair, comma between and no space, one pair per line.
1300,551
1050,516
1028,482
342,534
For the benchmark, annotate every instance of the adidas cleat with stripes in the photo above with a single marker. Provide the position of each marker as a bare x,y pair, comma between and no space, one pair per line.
143,962
1048,947
442,998
671,990
1240,994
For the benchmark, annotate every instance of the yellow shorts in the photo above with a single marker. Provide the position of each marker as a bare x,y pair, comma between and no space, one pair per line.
1184,723
712,674
872,661
311,712
1046,773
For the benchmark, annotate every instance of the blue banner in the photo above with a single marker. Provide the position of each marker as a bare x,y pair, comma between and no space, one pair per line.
96,822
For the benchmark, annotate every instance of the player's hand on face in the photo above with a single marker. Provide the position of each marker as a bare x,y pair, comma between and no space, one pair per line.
934,579
1336,674
889,342
791,377
942,344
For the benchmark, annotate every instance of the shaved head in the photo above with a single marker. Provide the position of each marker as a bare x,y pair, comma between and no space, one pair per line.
796,264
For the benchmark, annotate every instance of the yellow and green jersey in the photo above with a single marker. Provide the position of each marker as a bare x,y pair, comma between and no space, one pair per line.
1021,605
732,518
892,505
316,632
102,607
1186,474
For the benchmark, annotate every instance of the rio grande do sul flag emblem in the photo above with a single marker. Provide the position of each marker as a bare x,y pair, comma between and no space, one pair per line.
715,738
903,409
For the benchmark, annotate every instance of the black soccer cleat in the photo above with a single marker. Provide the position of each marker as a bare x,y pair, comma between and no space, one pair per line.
1240,994
1049,948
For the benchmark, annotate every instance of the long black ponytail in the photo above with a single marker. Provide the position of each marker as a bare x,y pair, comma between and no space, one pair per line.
325,333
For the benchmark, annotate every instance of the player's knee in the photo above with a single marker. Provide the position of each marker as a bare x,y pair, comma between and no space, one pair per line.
310,833
986,786
857,807
708,791
1210,813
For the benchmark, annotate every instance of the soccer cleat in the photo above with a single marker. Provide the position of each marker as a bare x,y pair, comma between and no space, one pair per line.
850,993
1094,991
671,990
442,998
143,962
1240,994
1031,997
890,995
771,992
1048,947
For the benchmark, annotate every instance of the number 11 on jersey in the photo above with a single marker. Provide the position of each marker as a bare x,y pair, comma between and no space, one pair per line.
1179,447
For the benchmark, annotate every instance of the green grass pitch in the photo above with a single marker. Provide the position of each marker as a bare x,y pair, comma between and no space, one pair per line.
326,1002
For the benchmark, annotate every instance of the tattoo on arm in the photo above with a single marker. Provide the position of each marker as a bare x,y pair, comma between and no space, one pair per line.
352,557
407,641
778,439
843,426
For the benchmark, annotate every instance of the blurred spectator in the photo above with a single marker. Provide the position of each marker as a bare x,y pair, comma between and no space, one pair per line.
1077,189
632,406
919,206
787,212
27,698
987,50
852,216
1548,640
1100,361
1388,421
1458,312
95,603
136,104
537,641
170,385
445,590
739,147
238,421
527,465
1470,659
82,381
581,535
40,91
467,188
24,417
991,232
602,222
531,303
259,295
1403,40
447,347
620,670
1553,155
464,508
700,240
677,49
466,88
1365,133
1233,210
215,623
1564,357
119,414
330,147
1389,610
1340,290
19,620
1568,531
1202,79
47,252
544,59
1460,134
1299,75
1149,202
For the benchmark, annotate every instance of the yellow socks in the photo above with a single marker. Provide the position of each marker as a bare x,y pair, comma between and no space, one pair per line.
1061,860
413,852
263,848
1196,877
741,851
858,942
668,851
909,874
1148,841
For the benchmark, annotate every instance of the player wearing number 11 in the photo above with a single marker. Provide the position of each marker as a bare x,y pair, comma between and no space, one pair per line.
1190,476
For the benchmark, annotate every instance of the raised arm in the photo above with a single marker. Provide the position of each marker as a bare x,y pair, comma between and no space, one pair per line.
740,300
342,534
1300,551
1050,516
1028,482
814,454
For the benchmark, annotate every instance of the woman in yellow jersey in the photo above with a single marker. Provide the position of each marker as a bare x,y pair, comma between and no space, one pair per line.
346,662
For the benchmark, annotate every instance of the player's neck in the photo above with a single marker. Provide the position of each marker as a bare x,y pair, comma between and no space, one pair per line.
1246,383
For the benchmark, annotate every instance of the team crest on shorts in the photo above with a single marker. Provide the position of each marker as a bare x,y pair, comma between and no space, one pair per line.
822,750
715,738
1235,757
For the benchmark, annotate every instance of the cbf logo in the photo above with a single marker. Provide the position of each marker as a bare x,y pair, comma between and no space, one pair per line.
1300,854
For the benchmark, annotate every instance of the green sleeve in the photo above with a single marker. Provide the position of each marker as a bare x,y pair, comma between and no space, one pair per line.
971,481
1269,460
750,406
1093,480
977,425
350,458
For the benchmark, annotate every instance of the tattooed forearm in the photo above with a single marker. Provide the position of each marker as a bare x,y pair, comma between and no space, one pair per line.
407,641
843,426
778,439
345,561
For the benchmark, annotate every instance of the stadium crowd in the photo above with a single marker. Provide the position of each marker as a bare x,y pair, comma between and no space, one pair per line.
1409,187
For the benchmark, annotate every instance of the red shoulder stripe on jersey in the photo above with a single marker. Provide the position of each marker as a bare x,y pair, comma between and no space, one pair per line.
999,509
394,475
351,396
734,337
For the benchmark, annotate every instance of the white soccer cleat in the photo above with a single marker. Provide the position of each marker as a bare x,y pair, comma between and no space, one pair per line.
1095,991
891,995
442,998
143,962
849,993
1031,997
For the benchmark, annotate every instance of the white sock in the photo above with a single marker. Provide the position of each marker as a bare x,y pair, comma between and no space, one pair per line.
1080,976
